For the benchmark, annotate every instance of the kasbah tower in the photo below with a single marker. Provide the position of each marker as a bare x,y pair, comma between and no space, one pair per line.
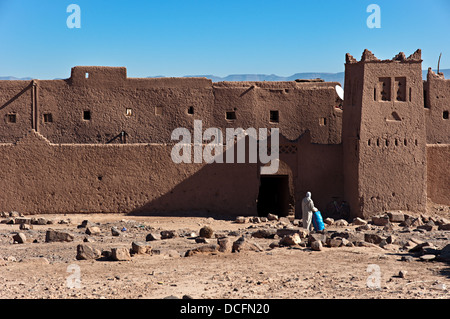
384,134
100,142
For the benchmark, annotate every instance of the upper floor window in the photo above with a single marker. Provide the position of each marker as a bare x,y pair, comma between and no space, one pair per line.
231,116
48,118
11,118
87,115
274,117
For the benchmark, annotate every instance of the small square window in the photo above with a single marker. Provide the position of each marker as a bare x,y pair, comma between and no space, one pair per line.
190,110
128,112
87,115
231,116
11,118
158,110
274,117
445,115
48,118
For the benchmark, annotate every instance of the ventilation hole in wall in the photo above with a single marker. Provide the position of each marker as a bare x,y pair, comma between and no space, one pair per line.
86,75
396,142
410,94
231,116
375,94
99,177
48,118
128,112
322,121
387,142
400,88
190,110
274,117
405,142
445,115
11,118
158,110
393,194
87,115
395,116
368,142
385,88
425,99
416,142
378,142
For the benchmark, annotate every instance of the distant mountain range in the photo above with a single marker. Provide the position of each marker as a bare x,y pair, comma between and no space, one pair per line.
12,78
327,77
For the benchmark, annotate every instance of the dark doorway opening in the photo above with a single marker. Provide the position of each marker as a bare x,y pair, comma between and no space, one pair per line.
273,195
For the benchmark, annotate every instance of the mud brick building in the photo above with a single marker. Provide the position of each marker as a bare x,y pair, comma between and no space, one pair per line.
101,142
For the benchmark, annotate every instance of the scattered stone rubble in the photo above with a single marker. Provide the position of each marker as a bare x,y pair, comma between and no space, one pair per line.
393,231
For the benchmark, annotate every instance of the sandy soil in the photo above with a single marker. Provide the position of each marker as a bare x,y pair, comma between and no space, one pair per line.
41,270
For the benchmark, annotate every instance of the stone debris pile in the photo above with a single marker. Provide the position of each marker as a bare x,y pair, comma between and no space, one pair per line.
419,237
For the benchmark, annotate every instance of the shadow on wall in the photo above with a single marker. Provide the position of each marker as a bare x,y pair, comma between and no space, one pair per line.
14,98
222,190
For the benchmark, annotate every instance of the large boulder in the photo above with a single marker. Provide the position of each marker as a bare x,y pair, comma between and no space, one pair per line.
206,232
20,238
240,220
202,249
57,236
291,240
373,238
316,245
317,237
225,245
396,217
359,221
445,253
93,230
243,244
141,247
120,254
265,233
167,234
86,252
380,220
153,236
292,230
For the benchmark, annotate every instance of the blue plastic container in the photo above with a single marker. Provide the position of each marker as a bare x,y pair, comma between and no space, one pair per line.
318,221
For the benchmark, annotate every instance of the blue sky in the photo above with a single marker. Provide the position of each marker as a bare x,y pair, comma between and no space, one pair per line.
177,38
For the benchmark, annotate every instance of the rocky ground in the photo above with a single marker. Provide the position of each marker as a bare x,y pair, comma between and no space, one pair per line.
395,255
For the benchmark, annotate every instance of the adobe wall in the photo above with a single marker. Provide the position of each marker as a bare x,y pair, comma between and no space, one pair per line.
315,168
438,183
301,107
16,99
437,108
157,106
39,177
